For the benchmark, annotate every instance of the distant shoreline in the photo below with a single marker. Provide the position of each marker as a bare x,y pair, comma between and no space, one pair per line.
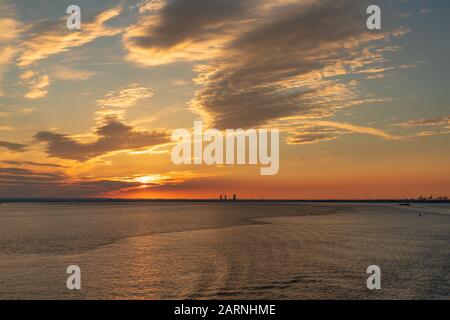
120,200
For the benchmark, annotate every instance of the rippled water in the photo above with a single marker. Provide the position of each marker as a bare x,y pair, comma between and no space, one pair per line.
224,251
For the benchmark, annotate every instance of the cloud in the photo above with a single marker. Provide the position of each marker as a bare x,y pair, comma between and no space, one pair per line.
6,56
115,102
271,73
183,184
10,29
9,109
317,131
124,98
184,30
70,74
353,128
310,135
434,126
37,85
31,163
19,171
110,137
151,5
436,121
52,39
12,146
18,182
44,39
425,11
256,70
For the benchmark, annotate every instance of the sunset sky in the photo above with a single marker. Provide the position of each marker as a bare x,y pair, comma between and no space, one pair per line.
89,113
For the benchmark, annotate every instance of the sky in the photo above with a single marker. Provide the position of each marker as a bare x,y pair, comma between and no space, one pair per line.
89,113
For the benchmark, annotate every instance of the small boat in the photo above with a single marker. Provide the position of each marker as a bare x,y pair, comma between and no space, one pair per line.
404,204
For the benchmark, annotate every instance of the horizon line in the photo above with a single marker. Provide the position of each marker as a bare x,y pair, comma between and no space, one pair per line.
91,199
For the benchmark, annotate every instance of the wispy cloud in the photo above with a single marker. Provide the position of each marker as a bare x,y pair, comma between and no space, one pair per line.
51,39
10,29
125,97
428,126
354,128
6,56
31,163
12,146
115,102
425,11
436,121
19,182
71,74
44,39
37,84
310,132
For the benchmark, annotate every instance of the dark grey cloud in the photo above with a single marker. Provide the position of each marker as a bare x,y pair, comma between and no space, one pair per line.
31,163
265,61
309,135
311,138
195,20
187,30
23,182
12,146
20,171
112,136
19,182
280,68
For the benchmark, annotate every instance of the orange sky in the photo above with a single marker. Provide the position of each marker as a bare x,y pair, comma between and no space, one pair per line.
90,113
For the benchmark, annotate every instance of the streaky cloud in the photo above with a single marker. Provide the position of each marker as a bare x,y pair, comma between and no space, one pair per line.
17,147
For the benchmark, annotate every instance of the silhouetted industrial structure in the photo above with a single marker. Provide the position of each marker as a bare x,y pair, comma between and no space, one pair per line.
223,197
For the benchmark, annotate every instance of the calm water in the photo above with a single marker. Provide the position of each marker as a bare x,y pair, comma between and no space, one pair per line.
224,251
